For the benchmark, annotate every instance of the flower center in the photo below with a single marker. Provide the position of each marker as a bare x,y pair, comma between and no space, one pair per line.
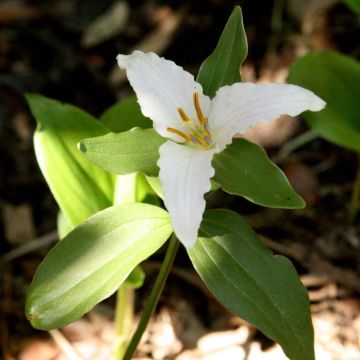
197,132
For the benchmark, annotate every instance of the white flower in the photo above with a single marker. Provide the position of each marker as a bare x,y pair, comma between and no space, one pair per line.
199,127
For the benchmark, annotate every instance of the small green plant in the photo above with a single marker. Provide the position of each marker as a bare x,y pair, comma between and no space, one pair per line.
337,81
108,177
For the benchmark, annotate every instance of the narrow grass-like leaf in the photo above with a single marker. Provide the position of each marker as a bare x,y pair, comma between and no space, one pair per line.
136,150
222,67
337,81
249,280
244,169
91,262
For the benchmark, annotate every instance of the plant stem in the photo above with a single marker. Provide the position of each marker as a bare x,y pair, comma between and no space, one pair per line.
355,197
296,143
124,315
154,296
276,25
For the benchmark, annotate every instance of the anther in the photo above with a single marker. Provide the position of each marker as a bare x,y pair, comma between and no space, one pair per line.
200,115
186,137
183,115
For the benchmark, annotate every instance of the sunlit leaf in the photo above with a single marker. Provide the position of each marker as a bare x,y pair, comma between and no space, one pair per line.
79,187
92,261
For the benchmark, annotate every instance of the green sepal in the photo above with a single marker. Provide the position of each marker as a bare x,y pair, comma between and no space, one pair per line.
136,150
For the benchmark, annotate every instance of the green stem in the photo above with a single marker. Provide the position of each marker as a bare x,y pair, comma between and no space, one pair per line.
276,25
124,315
154,296
296,143
355,197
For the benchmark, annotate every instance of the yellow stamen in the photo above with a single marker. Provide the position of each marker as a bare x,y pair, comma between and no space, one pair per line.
186,137
201,117
183,115
202,141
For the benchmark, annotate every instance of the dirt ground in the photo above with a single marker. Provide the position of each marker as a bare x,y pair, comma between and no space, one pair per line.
66,49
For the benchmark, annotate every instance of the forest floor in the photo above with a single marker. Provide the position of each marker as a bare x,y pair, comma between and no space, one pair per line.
66,49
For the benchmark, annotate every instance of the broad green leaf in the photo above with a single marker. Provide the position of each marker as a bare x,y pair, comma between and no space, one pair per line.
244,169
222,67
250,281
354,5
91,262
337,81
79,187
136,150
125,115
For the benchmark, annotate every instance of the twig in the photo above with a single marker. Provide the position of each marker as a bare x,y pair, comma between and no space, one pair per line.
354,205
64,345
296,143
5,306
33,245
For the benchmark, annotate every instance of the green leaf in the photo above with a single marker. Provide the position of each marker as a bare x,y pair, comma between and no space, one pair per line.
63,226
136,150
354,5
337,81
222,67
250,281
124,116
243,168
90,263
136,278
80,188
155,184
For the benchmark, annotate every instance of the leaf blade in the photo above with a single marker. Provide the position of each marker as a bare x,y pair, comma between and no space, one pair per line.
244,169
222,67
91,262
261,288
125,115
125,153
337,81
79,187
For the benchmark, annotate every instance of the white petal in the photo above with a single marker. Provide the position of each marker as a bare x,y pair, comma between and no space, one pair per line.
185,174
162,87
241,105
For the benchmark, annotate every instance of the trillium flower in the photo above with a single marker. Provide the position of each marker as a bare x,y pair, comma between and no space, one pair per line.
198,127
